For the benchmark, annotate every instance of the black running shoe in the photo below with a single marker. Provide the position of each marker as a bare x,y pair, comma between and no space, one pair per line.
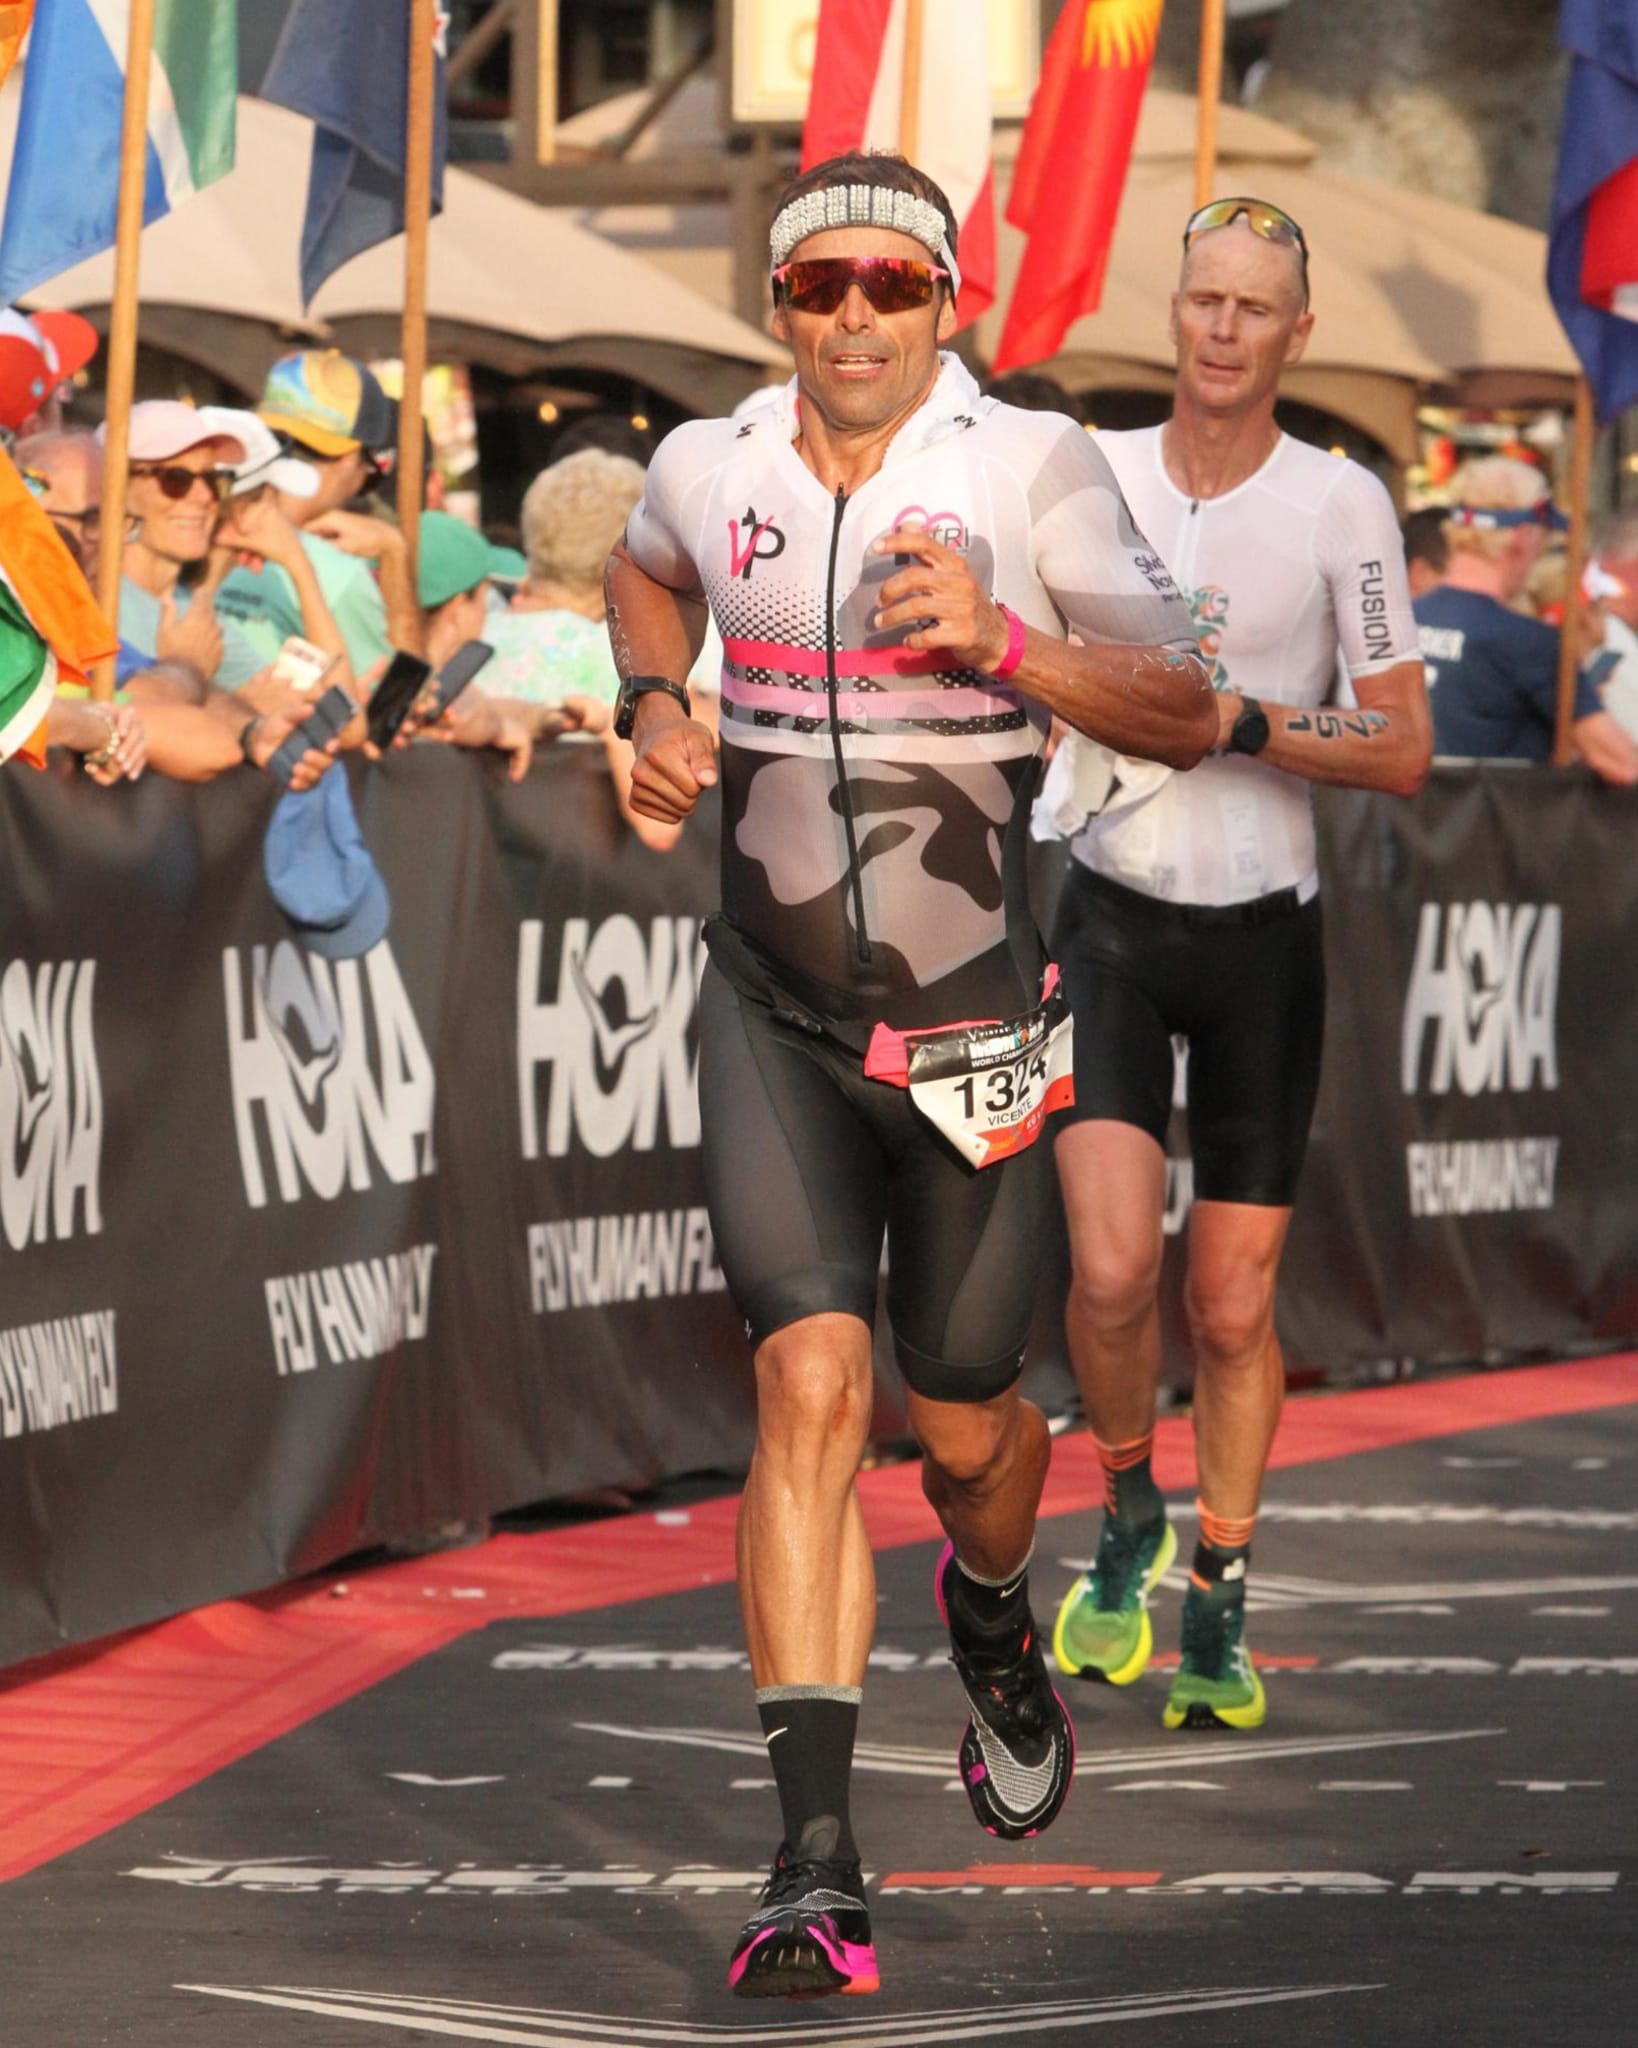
811,1933
1017,1754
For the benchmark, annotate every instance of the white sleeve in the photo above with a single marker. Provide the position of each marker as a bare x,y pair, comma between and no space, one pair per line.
658,535
1107,582
1362,558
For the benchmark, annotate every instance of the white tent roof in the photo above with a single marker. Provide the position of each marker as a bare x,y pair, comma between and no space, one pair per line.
495,261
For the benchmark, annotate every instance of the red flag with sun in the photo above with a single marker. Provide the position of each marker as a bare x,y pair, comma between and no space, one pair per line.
1072,166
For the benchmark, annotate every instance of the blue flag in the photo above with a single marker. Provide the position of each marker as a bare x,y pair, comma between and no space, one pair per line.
345,65
1592,258
64,192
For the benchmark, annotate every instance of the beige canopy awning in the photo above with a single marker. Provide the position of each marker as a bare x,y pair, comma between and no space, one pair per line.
520,287
1415,297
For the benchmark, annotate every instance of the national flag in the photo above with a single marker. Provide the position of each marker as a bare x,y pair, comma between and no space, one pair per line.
51,629
347,70
15,16
1592,254
64,192
1072,162
857,102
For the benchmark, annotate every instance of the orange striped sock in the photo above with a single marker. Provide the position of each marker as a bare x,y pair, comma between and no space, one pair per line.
1223,1554
1129,1489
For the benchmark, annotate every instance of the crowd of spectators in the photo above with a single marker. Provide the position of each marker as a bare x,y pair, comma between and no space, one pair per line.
248,530
1488,600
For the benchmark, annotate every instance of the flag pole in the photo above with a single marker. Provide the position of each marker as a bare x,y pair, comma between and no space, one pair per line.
417,220
122,325
1210,92
910,83
1569,651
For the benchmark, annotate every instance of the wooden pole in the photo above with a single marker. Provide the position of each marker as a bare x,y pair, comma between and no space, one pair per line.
910,83
546,83
1210,93
122,327
1569,649
417,220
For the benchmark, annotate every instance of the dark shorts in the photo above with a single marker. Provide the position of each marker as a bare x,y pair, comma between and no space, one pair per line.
1244,985
808,1164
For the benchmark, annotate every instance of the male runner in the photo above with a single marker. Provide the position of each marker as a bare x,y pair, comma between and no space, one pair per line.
893,562
1191,910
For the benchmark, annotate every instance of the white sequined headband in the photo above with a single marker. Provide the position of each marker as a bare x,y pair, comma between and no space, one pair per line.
866,206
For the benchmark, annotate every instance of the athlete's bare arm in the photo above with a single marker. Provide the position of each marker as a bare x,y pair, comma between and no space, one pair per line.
657,631
1387,743
1152,702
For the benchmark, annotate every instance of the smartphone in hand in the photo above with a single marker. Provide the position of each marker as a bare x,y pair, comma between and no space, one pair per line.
453,678
394,697
333,712
302,665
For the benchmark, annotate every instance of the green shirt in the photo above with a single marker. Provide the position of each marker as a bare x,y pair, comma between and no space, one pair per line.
139,612
263,604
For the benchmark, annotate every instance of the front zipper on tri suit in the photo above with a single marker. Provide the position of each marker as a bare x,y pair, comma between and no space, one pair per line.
843,791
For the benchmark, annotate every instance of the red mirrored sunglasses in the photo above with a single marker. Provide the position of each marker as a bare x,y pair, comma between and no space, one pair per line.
892,284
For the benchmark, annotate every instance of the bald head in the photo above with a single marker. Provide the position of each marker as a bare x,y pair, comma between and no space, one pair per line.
1238,257
71,464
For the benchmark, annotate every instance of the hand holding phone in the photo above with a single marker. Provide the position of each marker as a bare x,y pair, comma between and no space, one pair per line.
394,697
331,715
448,684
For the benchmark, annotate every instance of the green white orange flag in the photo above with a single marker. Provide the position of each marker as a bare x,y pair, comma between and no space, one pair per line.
51,630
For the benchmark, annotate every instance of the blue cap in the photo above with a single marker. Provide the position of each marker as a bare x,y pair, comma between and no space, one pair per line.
321,873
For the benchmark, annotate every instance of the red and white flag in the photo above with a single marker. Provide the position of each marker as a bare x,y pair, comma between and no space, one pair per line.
858,102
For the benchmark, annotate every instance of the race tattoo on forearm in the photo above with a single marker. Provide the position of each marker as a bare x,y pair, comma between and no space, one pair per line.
619,646
1336,725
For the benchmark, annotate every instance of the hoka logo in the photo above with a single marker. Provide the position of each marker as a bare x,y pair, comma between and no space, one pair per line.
616,1035
333,1058
1485,979
50,1103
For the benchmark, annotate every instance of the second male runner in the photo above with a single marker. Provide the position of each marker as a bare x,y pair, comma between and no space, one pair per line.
1192,911
893,562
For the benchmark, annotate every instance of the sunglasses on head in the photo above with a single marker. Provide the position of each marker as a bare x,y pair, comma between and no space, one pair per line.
175,480
1273,224
892,284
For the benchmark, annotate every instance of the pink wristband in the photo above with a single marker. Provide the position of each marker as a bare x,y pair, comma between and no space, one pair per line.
1008,664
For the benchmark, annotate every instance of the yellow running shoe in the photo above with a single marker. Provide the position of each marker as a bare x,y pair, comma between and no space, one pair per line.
1216,1685
1103,1630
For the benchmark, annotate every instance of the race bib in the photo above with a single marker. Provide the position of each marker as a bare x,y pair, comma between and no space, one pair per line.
990,1087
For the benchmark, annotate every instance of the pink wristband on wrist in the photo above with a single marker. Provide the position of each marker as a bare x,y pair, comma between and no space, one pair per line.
1008,664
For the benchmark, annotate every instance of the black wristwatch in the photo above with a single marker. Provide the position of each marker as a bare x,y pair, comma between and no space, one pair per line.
1249,732
636,687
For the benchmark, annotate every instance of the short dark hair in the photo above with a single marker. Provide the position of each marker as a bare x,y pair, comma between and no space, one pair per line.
1424,536
1034,391
874,167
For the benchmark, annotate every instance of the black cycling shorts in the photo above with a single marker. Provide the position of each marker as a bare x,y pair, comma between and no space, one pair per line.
807,1163
1245,985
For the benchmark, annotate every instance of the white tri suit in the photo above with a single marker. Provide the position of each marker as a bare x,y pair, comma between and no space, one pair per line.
875,824
1192,907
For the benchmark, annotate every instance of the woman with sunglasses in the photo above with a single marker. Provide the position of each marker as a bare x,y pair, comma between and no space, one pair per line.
894,562
180,477
1195,914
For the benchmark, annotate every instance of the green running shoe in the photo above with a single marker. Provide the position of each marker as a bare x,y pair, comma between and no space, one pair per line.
1103,1630
1215,1685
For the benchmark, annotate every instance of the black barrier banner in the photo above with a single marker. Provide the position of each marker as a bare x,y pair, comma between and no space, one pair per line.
297,1257
300,1256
